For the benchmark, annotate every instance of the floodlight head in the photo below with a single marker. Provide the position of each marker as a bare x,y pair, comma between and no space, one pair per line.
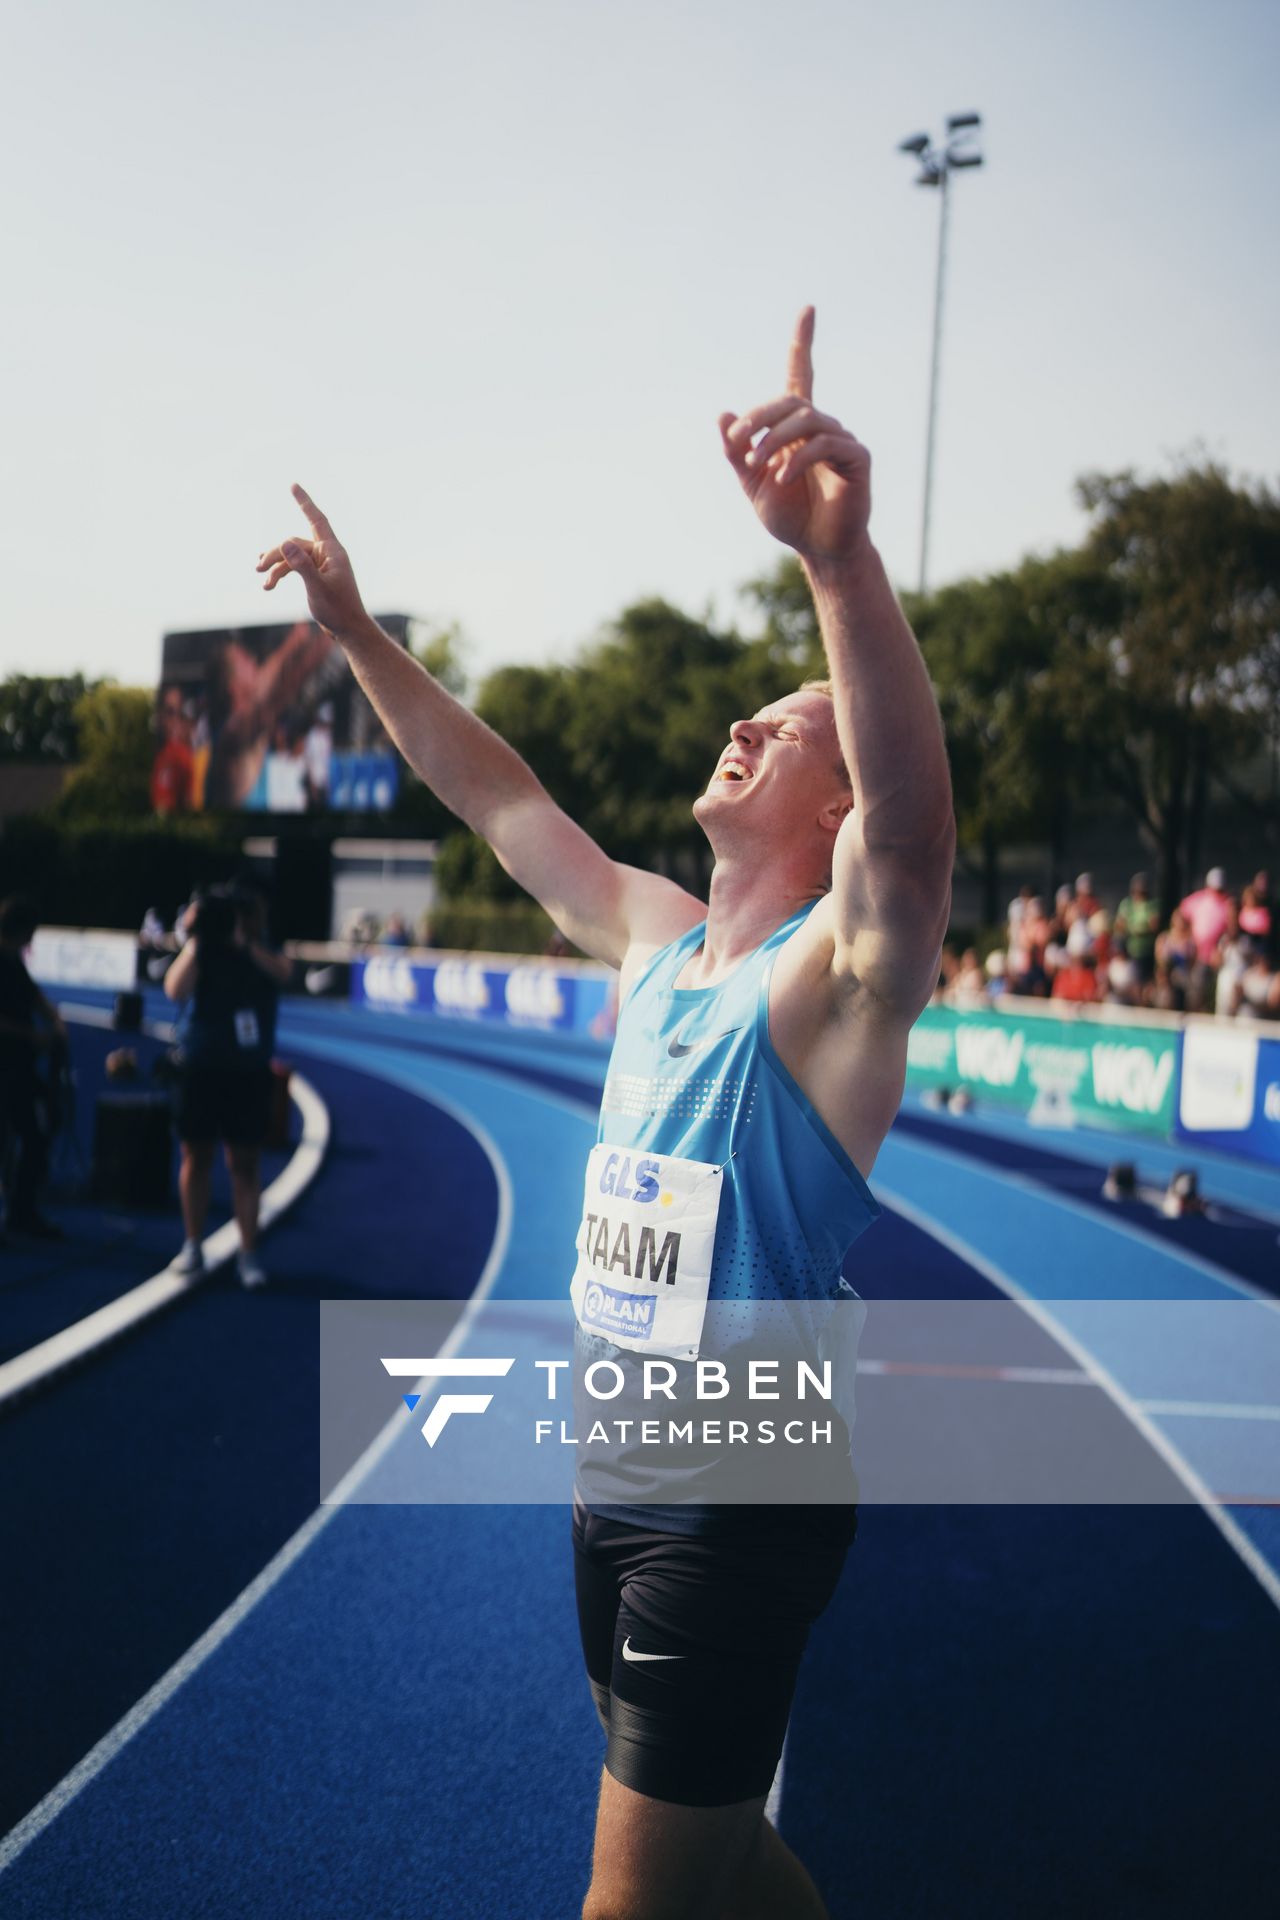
957,120
930,177
918,143
964,159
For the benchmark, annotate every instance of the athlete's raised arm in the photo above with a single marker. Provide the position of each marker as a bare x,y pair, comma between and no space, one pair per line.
604,907
809,480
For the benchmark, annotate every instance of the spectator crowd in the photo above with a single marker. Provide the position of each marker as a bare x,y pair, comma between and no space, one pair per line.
1219,953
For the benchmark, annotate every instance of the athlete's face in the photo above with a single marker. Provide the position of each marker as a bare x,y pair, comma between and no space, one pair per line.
783,769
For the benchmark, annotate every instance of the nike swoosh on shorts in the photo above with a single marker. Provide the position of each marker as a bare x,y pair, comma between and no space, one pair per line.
629,1653
677,1049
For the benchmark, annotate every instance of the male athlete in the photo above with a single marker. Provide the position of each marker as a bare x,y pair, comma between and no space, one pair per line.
762,1040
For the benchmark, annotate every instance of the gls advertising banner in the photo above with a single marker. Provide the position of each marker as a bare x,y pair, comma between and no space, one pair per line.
525,993
1107,1075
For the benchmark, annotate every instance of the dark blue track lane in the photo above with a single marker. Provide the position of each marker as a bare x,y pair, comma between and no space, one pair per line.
45,1286
147,1488
1045,1712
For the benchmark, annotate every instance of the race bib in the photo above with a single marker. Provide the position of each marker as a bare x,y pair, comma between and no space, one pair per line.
247,1028
644,1249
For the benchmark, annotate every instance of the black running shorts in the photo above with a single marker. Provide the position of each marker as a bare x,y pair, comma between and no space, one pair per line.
215,1103
693,1642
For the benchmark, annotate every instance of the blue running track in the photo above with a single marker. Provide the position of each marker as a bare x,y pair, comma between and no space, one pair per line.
221,1699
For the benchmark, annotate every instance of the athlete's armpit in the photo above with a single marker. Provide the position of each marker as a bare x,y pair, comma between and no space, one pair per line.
889,913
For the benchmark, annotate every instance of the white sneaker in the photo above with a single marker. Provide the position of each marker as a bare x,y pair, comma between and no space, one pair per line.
251,1274
189,1261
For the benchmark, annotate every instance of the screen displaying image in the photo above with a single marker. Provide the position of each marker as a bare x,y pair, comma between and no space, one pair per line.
268,720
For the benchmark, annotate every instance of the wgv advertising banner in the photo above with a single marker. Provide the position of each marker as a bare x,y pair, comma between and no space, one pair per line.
522,994
1105,1075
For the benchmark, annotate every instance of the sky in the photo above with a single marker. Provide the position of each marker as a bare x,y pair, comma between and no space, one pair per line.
483,275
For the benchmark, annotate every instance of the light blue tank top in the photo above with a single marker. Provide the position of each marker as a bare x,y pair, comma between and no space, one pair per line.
694,1073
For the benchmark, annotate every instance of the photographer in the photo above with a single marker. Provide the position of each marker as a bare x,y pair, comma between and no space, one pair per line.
232,980
31,1030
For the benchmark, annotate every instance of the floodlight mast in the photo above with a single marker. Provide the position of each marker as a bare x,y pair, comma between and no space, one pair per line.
936,165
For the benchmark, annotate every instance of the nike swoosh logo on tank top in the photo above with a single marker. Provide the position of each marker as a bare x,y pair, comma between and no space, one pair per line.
677,1049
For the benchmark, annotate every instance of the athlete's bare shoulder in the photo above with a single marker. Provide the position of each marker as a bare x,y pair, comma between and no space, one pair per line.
657,912
844,1046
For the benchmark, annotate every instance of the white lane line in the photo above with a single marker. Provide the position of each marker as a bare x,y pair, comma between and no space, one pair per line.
773,1805
49,1357
1260,1567
112,1743
1209,1409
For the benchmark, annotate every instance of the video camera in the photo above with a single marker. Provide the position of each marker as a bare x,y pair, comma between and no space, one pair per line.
219,912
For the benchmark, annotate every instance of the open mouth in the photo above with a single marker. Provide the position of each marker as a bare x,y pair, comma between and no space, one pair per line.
735,772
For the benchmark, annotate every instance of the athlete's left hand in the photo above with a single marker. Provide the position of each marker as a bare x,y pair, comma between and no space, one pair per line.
807,477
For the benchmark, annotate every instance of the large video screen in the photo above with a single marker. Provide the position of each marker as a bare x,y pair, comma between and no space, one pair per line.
268,720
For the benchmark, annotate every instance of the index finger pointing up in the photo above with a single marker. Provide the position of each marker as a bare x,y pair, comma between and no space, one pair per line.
800,356
318,522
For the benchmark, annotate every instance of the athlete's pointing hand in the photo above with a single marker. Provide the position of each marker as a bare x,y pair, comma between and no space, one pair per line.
806,475
322,565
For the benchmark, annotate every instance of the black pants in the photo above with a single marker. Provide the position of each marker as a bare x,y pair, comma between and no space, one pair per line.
24,1139
693,1643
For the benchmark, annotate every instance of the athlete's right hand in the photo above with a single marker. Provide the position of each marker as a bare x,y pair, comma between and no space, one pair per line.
322,565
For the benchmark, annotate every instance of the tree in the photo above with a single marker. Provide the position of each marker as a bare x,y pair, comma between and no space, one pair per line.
467,868
441,649
532,709
1142,667
117,745
37,716
626,736
653,702
989,646
792,641
1168,670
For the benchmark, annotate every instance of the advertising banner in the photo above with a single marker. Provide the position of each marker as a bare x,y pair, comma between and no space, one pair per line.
70,957
1100,1074
1230,1092
521,993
